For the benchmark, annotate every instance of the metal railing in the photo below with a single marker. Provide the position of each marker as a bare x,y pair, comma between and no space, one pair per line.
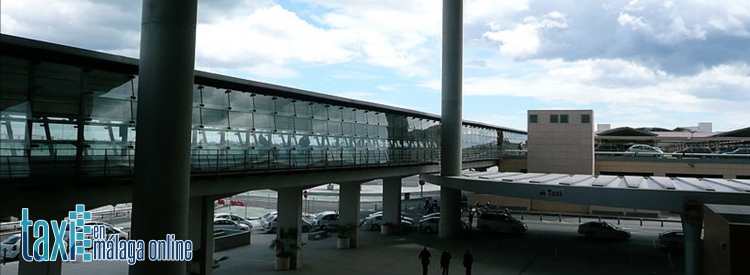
43,162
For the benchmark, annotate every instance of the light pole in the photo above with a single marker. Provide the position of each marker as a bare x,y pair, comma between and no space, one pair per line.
421,188
307,205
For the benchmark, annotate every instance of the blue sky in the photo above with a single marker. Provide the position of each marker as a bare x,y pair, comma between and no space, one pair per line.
635,63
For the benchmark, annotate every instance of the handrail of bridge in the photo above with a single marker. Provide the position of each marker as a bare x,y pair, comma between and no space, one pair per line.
25,163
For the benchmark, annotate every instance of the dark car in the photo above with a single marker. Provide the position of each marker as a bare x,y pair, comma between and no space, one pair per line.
603,230
695,150
608,148
672,240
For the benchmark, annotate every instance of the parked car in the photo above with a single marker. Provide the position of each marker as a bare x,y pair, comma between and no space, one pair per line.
496,221
608,148
432,224
269,226
234,217
10,248
404,216
227,224
644,150
375,222
111,230
741,150
671,239
436,214
603,230
694,150
327,219
729,149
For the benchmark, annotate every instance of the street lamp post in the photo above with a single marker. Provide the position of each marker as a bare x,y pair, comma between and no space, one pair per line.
421,188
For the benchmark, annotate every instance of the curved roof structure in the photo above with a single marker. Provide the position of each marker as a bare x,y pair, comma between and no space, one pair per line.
656,193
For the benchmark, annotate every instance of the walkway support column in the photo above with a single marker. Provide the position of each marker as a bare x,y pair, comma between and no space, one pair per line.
392,202
162,161
693,258
201,232
289,222
450,136
349,204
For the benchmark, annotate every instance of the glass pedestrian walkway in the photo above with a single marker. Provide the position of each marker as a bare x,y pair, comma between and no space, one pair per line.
72,112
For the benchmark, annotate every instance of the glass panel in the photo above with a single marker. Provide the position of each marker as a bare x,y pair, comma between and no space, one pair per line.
284,123
334,127
348,114
320,126
263,104
240,120
263,122
303,109
348,129
215,118
284,106
240,102
303,125
215,98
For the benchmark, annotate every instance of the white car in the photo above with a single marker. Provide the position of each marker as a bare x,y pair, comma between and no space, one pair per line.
269,225
327,219
644,150
234,217
227,224
376,221
10,248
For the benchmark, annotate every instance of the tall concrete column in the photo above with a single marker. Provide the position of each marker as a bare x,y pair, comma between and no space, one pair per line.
201,232
43,268
162,161
349,203
392,201
288,223
693,242
450,136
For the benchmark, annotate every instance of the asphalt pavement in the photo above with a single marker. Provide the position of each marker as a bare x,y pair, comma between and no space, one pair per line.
549,247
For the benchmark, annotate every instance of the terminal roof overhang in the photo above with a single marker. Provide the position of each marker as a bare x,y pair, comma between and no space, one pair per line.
655,193
49,52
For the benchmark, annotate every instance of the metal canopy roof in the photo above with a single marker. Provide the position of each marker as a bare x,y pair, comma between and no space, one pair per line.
656,193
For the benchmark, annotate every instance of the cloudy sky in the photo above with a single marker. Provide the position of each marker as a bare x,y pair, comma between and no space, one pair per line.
635,63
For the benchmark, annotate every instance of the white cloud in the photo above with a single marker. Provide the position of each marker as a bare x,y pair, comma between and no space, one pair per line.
524,40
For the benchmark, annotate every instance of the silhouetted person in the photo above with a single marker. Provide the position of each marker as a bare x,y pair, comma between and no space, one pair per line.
425,257
304,141
445,261
468,260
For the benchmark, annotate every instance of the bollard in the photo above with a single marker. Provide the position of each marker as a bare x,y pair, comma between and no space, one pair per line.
540,217
376,207
618,220
579,218
521,215
641,222
662,223
600,218
559,218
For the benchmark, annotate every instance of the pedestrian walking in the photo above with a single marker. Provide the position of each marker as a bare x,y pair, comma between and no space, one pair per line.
471,218
425,257
445,261
468,261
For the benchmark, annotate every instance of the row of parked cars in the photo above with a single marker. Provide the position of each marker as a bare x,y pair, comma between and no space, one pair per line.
648,150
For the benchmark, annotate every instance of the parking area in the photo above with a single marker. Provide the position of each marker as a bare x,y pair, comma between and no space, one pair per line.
548,247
